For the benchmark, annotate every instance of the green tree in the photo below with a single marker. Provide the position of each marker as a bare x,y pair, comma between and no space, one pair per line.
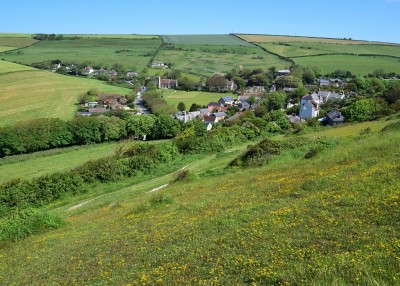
181,106
258,79
140,125
86,129
165,127
195,107
361,110
239,81
288,81
216,82
112,128
308,76
251,100
274,101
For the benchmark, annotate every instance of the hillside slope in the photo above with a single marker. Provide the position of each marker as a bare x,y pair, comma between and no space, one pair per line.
28,93
332,219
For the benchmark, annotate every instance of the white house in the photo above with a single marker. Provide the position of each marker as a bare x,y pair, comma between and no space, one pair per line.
87,70
309,109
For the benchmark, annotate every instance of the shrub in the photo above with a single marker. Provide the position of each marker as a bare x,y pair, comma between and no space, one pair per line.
160,199
24,223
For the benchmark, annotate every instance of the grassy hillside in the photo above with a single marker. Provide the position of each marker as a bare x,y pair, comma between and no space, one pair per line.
218,40
332,219
26,93
298,49
15,41
131,53
328,55
355,64
281,38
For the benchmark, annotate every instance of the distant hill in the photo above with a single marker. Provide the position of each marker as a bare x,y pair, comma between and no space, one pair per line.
327,55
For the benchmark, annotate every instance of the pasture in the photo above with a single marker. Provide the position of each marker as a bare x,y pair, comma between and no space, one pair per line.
11,42
212,40
33,93
7,67
173,97
358,65
253,38
299,49
112,36
37,164
133,54
205,60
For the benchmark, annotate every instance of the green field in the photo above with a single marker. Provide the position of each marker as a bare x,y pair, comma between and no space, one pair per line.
113,36
206,60
299,49
15,35
358,57
218,40
131,53
31,94
356,64
317,223
12,43
282,38
7,67
57,160
173,97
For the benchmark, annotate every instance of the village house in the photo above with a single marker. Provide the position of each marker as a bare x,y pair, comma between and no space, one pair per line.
209,119
219,115
256,91
185,117
283,72
293,118
91,104
230,85
333,118
131,74
288,90
323,82
166,83
226,100
309,106
158,65
212,106
243,105
309,109
204,111
88,70
326,95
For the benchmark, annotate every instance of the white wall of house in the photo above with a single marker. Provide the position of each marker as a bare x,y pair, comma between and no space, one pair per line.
308,111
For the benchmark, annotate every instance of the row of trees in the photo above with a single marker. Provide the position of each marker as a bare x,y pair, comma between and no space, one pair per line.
47,133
